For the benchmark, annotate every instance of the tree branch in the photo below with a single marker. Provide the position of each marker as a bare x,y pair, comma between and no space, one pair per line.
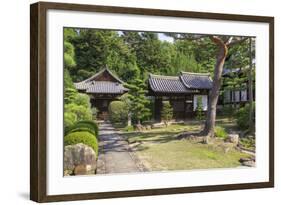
232,43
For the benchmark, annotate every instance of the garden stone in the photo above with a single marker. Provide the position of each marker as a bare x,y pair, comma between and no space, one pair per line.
249,162
140,128
158,125
148,127
233,138
79,159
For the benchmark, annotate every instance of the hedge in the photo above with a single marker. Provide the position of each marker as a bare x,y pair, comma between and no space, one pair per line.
82,137
84,125
89,124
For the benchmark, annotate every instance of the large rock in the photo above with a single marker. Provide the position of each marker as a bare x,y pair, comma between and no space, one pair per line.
233,138
79,159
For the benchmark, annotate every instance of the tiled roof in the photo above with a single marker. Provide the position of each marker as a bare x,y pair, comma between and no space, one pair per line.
196,80
106,69
91,85
106,87
168,84
185,83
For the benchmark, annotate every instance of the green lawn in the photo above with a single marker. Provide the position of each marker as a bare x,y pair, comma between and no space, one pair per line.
160,150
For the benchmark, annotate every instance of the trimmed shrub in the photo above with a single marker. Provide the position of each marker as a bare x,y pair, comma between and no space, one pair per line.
118,111
80,129
220,132
89,124
85,125
82,137
242,116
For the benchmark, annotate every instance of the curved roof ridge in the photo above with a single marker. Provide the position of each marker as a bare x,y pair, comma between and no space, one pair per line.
163,76
100,72
192,73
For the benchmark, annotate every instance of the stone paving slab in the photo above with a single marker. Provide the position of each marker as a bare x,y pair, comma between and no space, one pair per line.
115,155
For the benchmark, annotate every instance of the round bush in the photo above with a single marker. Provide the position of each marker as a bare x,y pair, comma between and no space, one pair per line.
83,125
81,129
118,111
82,137
89,124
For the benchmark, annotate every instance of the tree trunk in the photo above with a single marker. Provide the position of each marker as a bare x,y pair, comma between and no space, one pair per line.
214,93
129,119
250,90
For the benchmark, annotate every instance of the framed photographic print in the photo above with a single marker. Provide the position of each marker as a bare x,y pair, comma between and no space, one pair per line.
135,102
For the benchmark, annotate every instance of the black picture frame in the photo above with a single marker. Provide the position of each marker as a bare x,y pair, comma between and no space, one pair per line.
38,102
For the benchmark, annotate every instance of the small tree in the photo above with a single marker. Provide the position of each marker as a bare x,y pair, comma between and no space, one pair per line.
167,112
199,109
125,98
118,112
139,102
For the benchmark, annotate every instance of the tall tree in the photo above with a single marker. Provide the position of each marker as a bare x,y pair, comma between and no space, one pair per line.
96,49
250,86
223,43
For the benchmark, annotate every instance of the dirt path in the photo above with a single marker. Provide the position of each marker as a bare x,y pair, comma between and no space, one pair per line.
114,153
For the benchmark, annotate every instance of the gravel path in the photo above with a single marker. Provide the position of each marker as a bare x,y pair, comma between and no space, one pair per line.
114,153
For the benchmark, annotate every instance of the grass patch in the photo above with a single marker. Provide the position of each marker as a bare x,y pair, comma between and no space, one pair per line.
186,155
248,143
160,150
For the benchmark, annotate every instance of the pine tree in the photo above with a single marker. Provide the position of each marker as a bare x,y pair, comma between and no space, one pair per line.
139,102
199,109
167,112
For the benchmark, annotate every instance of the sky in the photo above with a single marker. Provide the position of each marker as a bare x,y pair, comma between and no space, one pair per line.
163,37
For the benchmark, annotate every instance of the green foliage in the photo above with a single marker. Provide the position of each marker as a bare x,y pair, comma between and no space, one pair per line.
82,137
81,112
95,49
83,125
94,113
69,61
76,106
82,99
129,128
139,102
69,119
242,116
67,79
118,111
166,112
228,110
220,132
199,109
79,129
248,142
69,34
